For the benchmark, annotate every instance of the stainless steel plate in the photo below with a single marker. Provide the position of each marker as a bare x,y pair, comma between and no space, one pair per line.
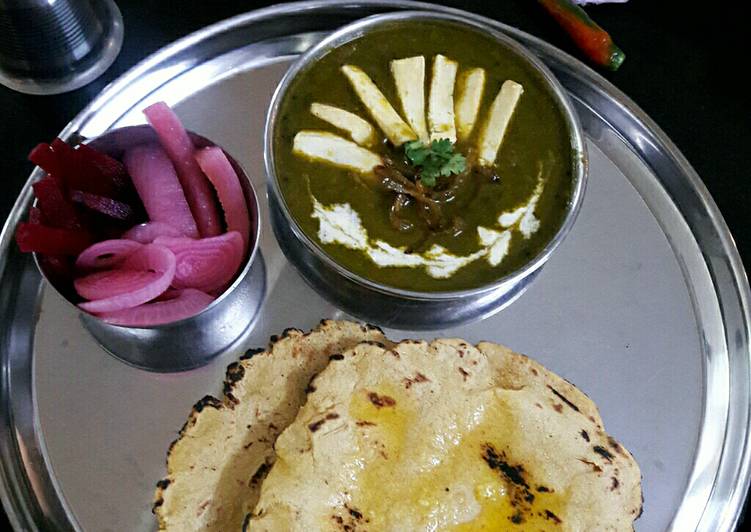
645,306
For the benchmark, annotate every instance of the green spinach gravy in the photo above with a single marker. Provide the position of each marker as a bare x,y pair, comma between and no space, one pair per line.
536,143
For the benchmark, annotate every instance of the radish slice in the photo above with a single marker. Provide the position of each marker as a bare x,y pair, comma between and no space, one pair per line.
175,141
206,264
148,258
218,169
184,304
146,233
111,283
106,254
156,182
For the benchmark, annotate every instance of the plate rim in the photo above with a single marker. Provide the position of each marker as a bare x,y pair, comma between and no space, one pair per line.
657,138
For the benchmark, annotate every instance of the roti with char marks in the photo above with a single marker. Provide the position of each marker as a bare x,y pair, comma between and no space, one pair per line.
225,449
446,436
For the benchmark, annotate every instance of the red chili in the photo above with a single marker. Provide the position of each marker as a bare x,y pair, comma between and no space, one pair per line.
591,39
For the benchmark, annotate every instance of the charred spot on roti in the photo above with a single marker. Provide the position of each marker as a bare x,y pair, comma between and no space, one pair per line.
336,356
616,446
464,372
614,484
550,515
207,401
558,407
595,467
602,451
563,398
252,352
246,522
369,327
316,425
381,401
354,512
291,331
409,381
584,435
260,474
374,343
497,461
543,489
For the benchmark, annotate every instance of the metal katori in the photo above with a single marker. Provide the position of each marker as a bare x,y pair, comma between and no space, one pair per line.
383,304
193,341
645,306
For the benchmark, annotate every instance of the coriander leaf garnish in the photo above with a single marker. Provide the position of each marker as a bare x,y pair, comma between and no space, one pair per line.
435,159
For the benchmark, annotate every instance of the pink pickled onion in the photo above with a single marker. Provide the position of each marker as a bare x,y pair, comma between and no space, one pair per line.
218,169
146,233
110,283
156,183
185,304
105,254
206,264
176,142
148,258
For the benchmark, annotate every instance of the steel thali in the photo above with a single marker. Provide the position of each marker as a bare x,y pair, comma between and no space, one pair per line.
645,306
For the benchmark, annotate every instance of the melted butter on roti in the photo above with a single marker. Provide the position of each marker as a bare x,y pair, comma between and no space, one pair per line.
461,482
446,436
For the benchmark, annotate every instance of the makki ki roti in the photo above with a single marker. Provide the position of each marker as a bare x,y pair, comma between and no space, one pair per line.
446,436
215,467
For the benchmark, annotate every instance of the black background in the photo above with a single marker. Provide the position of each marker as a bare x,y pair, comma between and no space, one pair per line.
686,65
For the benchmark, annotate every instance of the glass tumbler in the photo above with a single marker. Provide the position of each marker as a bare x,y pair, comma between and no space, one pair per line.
54,46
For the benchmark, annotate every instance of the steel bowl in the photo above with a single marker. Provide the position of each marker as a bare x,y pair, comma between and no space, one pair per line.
191,342
386,305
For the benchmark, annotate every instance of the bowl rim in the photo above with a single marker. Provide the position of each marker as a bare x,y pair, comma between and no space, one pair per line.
255,218
352,31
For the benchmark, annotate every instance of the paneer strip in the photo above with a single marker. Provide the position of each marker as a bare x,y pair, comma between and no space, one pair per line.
333,149
499,117
470,85
392,125
359,129
441,99
409,77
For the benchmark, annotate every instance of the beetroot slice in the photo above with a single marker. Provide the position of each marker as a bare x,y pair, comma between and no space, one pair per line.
207,264
146,233
223,177
182,304
88,170
159,189
51,240
106,254
35,216
58,210
101,204
111,283
150,259
43,156
98,164
176,142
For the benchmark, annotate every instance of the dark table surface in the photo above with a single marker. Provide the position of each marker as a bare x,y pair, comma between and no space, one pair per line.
683,68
